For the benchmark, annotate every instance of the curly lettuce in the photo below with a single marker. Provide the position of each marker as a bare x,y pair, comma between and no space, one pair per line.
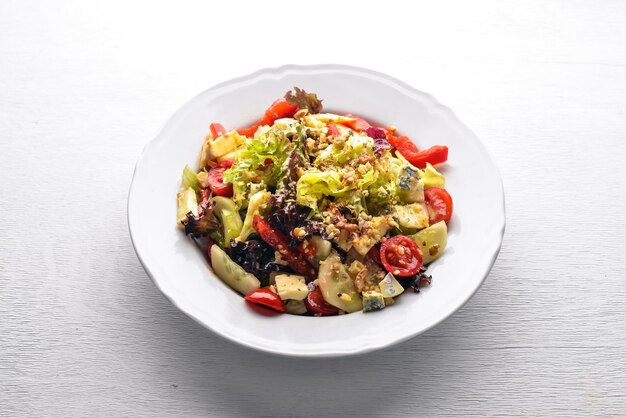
260,165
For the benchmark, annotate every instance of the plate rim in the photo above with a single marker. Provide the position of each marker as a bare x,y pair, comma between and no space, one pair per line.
277,72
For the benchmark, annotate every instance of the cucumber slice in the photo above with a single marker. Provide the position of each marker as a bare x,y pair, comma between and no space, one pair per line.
432,241
232,273
322,247
337,286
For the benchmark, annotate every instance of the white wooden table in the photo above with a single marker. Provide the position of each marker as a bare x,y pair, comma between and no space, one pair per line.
83,86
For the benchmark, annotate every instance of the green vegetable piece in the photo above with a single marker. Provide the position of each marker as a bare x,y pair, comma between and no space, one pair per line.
190,179
231,273
414,215
337,286
260,164
432,178
322,247
226,211
257,204
432,241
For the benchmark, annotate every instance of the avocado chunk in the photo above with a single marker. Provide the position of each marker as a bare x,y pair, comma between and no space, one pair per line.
337,286
226,210
232,273
432,241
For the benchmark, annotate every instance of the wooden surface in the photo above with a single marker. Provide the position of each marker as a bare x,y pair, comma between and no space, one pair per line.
83,86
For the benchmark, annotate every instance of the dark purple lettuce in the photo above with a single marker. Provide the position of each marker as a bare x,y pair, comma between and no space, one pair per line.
255,257
285,215
417,281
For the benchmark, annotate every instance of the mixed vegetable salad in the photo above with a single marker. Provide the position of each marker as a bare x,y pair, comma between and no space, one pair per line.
315,213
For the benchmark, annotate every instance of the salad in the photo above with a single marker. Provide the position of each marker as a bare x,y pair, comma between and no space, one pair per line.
314,213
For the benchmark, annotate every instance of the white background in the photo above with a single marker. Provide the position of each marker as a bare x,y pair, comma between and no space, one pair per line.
83,86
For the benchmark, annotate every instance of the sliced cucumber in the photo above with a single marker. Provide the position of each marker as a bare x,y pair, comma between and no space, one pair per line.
413,215
232,273
432,241
337,286
226,211
257,203
322,247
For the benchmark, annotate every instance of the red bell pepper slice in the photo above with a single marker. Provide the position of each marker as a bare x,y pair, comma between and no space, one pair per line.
436,154
278,110
217,129
280,243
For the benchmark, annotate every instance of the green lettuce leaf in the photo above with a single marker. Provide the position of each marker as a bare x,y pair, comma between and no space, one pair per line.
260,165
315,184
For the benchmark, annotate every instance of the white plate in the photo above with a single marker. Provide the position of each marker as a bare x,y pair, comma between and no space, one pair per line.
182,273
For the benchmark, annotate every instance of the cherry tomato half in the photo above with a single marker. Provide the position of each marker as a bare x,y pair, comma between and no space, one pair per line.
216,181
316,304
401,256
439,204
267,298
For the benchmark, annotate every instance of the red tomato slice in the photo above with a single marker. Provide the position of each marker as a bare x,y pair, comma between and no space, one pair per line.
401,256
439,204
316,304
267,298
217,129
216,182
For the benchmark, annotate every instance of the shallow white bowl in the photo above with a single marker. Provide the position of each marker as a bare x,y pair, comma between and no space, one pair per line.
182,273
